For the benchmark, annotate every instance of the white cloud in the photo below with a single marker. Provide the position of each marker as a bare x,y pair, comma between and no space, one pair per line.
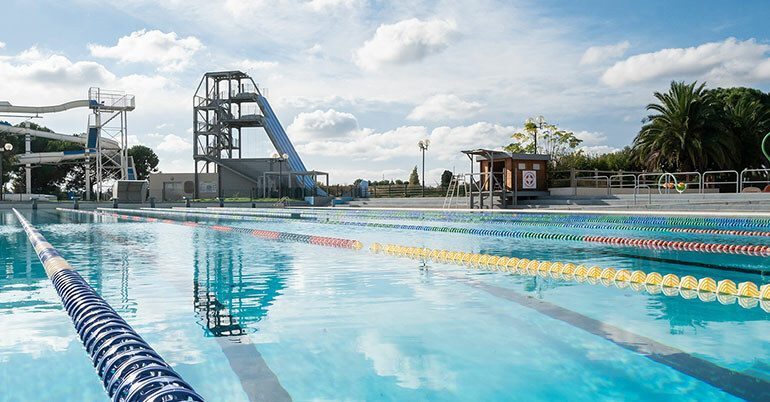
728,61
46,68
249,64
325,5
2,45
174,143
447,142
599,149
590,138
321,124
444,107
598,54
405,42
166,50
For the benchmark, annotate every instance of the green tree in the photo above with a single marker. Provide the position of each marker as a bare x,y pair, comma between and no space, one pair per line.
446,178
414,178
145,161
683,132
551,140
745,114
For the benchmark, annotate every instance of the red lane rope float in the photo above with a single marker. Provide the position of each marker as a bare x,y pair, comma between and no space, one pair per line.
263,234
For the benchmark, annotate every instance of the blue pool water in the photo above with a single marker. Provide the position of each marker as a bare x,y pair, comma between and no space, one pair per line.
245,319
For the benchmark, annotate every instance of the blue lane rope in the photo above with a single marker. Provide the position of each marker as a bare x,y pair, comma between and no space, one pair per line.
130,370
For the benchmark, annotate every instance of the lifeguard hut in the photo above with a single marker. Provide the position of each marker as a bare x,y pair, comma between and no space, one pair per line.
503,178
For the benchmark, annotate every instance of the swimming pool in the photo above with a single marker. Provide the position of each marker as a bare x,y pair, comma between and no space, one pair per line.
245,316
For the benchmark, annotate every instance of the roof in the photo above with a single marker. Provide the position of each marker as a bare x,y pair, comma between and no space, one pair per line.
484,154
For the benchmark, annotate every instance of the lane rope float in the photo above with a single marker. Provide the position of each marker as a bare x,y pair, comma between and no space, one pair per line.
263,234
657,244
464,216
130,369
707,289
599,226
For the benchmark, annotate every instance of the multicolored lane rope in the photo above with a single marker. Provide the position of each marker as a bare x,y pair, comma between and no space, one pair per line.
706,289
463,216
604,226
657,244
263,234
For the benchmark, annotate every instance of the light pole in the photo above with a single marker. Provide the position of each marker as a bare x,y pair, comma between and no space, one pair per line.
8,147
281,159
423,144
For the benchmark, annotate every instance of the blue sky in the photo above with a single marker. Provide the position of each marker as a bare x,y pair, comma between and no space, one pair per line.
358,82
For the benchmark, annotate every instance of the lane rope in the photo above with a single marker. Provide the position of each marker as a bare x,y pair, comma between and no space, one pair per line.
130,369
263,234
707,289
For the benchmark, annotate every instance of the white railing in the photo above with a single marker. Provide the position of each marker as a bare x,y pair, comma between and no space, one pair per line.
717,174
745,177
621,180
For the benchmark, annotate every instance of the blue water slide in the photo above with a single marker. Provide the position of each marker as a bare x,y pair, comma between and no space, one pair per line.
92,135
282,143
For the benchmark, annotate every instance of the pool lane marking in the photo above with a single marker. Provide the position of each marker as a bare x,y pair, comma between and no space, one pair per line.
721,248
747,294
733,382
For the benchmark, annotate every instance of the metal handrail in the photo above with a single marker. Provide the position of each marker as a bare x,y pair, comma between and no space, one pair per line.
699,182
595,178
649,191
737,181
744,181
620,179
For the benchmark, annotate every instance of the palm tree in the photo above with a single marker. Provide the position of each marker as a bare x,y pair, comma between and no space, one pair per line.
683,132
748,121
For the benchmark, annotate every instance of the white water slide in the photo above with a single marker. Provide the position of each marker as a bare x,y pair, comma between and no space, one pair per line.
88,141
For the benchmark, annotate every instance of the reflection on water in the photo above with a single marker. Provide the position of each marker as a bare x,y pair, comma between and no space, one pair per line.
225,299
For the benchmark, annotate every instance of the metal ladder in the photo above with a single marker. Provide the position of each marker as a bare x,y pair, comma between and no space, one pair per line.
454,188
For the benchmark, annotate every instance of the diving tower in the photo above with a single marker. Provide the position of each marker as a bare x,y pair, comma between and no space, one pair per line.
226,103
105,144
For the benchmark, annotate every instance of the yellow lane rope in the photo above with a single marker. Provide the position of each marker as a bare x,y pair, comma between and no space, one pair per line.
707,289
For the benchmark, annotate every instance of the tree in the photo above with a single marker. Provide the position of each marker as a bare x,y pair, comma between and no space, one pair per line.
145,161
683,132
446,178
551,140
745,116
414,178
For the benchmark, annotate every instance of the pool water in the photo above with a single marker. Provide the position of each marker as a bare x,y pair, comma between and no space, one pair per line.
247,319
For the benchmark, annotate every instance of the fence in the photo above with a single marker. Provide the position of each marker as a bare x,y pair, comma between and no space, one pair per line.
664,182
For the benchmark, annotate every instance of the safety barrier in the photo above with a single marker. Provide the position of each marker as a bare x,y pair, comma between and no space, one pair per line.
707,289
130,370
263,234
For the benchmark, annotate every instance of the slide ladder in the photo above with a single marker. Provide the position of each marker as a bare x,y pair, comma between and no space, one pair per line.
282,143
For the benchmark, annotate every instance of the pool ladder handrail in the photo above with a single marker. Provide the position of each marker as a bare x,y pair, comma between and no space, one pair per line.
130,370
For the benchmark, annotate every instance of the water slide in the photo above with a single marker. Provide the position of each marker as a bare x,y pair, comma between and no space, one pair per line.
282,143
88,141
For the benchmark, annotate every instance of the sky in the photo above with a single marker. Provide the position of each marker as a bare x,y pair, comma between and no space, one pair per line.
357,83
